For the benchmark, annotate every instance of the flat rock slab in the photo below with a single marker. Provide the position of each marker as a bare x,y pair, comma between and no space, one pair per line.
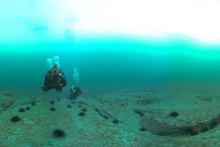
180,122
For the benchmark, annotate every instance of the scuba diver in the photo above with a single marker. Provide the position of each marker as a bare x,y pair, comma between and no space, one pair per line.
75,91
54,78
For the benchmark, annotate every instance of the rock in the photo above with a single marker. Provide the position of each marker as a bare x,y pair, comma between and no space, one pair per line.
191,122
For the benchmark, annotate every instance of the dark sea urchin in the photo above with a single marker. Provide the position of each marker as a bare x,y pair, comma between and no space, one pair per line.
58,133
115,121
15,119
83,109
21,110
81,114
69,106
174,114
52,109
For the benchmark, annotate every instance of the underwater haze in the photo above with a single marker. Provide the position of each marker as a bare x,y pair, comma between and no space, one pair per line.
111,63
109,49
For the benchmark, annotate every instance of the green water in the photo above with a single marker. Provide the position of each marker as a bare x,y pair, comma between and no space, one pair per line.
112,62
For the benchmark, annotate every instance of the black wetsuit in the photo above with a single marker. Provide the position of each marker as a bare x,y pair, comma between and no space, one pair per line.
74,93
54,80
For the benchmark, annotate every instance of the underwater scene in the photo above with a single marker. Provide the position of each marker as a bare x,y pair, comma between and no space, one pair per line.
76,73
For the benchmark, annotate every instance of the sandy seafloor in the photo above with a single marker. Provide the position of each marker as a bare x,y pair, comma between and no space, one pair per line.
146,117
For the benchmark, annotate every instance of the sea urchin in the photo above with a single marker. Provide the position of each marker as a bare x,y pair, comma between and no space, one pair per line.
57,133
15,119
